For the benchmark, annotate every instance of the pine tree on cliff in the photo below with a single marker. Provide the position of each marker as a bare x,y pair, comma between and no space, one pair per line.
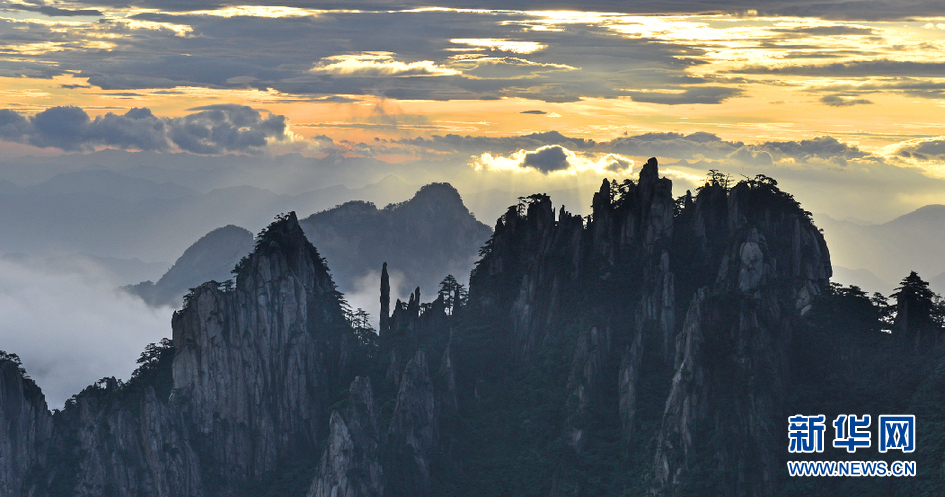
453,293
385,302
919,315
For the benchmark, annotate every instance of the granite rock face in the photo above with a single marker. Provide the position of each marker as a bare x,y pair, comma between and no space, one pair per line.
255,366
745,260
350,465
666,321
731,366
25,427
249,380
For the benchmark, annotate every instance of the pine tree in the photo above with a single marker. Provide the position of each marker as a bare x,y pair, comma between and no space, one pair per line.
919,313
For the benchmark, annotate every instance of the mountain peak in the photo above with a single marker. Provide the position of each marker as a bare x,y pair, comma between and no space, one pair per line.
283,239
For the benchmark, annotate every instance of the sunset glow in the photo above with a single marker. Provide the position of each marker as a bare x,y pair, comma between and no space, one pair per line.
391,83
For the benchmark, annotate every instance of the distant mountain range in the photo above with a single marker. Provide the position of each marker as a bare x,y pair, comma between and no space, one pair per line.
119,206
422,240
109,214
877,257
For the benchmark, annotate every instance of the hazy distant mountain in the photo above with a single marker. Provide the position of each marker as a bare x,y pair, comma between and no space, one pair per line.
863,278
211,258
8,188
425,238
108,184
110,214
422,239
912,242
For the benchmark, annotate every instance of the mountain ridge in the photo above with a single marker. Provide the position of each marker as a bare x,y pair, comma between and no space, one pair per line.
657,346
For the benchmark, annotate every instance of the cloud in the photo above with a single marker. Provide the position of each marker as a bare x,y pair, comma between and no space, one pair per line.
698,95
72,327
226,128
932,149
853,69
835,9
931,88
478,144
545,149
835,30
842,101
377,64
750,155
212,130
424,54
13,126
512,46
551,159
539,112
822,149
547,159
698,145
55,11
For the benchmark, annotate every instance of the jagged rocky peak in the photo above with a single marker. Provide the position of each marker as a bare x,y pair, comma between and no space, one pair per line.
384,321
435,194
282,249
654,332
257,364
533,266
757,264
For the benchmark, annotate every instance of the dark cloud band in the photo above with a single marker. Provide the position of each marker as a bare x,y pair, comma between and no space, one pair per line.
211,130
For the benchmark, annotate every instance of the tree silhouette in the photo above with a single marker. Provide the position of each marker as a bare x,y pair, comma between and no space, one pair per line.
453,293
919,311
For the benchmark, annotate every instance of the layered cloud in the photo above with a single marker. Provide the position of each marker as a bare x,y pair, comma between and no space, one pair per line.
554,159
421,54
839,9
550,151
453,54
928,150
210,130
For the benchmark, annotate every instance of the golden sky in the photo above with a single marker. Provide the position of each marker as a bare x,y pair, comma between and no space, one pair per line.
821,97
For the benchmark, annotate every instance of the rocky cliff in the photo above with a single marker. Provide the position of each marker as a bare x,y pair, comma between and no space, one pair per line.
25,426
705,291
644,349
245,385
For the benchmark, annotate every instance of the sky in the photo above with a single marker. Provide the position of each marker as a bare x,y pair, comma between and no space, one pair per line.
840,101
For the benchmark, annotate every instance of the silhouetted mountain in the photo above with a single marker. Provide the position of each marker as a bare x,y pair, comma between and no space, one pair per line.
424,238
211,258
656,347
